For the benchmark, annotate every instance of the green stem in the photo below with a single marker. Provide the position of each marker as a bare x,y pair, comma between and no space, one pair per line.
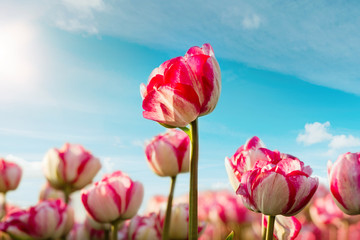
263,234
270,228
114,230
165,235
193,195
3,213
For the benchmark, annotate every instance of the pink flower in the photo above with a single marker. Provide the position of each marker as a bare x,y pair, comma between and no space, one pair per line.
47,219
183,88
285,227
179,222
47,192
70,167
115,197
244,160
10,175
144,227
344,178
274,183
169,154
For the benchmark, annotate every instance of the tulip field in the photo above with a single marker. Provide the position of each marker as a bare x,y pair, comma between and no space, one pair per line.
274,195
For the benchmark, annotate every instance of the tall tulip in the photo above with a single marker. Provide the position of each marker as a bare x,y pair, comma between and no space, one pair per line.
70,168
47,219
344,177
178,92
113,199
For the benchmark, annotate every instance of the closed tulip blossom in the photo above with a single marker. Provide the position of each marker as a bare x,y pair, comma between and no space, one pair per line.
144,227
10,175
183,88
169,154
116,197
70,168
277,184
344,177
48,219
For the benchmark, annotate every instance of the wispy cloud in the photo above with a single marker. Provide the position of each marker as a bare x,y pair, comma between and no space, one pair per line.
289,37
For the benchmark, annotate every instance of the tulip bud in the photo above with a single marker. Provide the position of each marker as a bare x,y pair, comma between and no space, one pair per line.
10,175
169,154
71,167
144,227
115,197
183,88
344,181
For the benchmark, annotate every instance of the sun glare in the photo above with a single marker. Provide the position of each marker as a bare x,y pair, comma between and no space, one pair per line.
17,48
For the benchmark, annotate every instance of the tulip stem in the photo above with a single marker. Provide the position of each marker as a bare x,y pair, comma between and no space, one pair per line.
263,234
270,227
114,230
165,235
106,234
193,195
3,213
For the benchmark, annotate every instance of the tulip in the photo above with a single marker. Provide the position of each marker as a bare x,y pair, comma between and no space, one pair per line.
47,219
47,192
344,181
113,199
244,160
144,227
183,88
70,168
10,175
169,154
285,227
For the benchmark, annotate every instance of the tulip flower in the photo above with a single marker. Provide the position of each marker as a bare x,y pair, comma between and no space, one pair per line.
285,227
144,227
183,88
344,181
10,175
48,219
113,199
273,183
70,168
47,192
169,154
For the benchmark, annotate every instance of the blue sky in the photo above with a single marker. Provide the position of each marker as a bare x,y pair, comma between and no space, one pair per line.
70,72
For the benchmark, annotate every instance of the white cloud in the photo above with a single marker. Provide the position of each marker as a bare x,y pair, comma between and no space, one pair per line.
314,133
319,132
251,22
31,169
343,141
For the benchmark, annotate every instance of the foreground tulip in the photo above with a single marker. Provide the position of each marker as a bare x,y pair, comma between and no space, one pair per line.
48,219
70,168
183,88
344,181
113,199
273,183
169,154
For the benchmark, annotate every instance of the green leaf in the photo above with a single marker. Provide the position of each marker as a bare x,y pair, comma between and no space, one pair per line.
230,236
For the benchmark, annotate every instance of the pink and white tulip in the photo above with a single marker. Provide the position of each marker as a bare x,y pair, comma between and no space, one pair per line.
285,227
47,219
344,178
275,183
10,175
144,227
244,160
115,197
169,154
183,88
71,167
